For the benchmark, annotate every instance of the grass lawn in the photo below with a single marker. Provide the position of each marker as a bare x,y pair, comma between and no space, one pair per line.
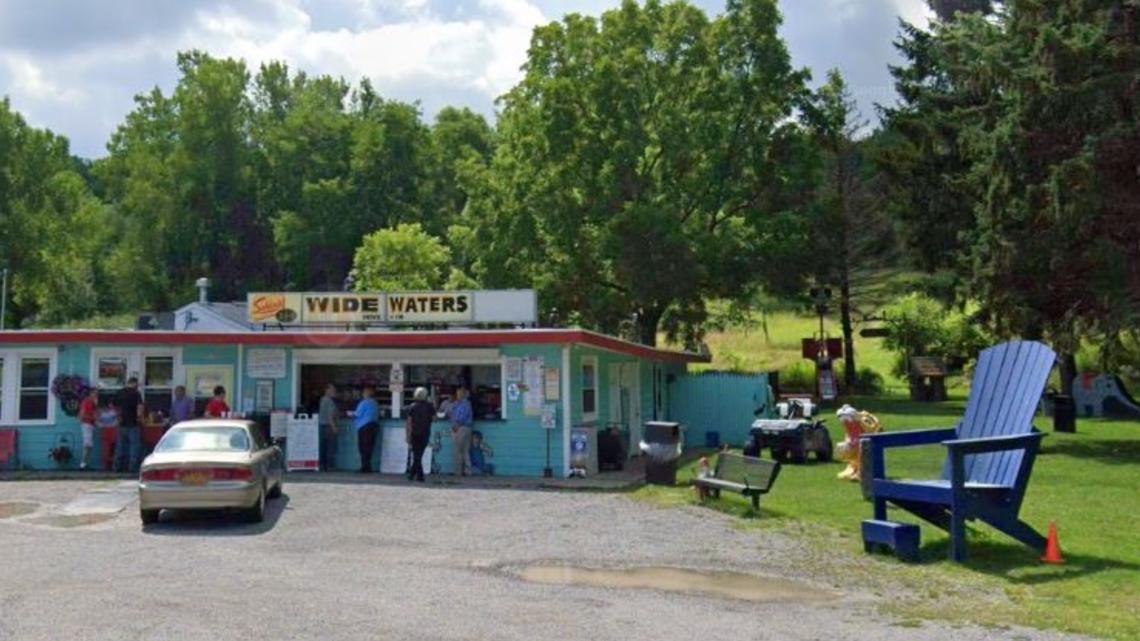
1088,483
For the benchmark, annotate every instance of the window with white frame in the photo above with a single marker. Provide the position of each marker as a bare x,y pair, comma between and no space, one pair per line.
25,386
158,383
35,383
589,389
156,371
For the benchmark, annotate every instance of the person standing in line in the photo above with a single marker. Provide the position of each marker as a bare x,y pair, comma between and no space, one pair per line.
217,407
108,422
366,422
129,444
417,431
182,407
88,408
462,418
327,416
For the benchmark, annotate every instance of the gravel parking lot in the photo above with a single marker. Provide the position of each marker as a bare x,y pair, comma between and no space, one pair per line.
362,561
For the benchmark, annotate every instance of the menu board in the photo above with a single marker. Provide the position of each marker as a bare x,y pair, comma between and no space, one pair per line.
532,383
265,363
278,424
394,452
303,443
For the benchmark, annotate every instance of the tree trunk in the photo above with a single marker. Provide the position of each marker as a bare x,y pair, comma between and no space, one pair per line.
647,322
1068,372
848,330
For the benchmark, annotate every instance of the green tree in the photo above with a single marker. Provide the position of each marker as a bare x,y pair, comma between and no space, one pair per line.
52,229
403,258
641,165
1044,94
459,137
851,235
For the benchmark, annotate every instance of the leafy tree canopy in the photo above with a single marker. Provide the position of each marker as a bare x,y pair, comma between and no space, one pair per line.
641,166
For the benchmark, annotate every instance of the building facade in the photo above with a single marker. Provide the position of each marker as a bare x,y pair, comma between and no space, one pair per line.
583,379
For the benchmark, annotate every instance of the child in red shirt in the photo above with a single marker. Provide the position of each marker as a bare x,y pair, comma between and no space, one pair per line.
217,407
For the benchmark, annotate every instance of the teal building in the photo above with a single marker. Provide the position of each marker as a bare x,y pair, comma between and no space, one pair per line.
529,386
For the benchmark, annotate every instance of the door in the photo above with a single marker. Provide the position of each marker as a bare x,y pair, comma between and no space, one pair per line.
631,405
625,402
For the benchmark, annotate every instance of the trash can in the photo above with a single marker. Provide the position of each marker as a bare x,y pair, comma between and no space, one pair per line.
584,450
1064,413
661,445
712,440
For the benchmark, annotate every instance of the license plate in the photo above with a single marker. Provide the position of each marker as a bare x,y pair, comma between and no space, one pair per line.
194,478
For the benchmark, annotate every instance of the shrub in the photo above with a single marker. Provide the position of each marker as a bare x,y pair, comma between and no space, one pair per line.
868,382
921,326
962,339
798,377
915,324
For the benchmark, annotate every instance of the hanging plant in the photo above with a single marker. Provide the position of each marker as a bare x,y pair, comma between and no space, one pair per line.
70,389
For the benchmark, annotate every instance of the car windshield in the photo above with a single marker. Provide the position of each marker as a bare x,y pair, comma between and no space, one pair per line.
209,439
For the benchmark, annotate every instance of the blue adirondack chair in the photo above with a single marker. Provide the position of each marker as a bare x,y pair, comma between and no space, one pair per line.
990,453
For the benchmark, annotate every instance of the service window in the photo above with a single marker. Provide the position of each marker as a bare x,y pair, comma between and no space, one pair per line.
158,383
589,389
487,391
35,379
110,376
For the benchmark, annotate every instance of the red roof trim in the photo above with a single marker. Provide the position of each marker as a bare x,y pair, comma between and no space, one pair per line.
468,338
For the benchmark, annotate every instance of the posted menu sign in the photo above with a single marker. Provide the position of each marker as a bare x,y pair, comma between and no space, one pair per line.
302,443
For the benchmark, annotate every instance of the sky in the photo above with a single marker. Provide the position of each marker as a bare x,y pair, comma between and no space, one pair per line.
74,66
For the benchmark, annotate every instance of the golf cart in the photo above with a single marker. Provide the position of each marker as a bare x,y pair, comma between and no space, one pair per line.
792,435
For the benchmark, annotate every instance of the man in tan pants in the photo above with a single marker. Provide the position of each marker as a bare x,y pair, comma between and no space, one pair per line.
462,418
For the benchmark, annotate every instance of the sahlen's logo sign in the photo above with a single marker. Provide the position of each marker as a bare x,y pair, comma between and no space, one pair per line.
292,308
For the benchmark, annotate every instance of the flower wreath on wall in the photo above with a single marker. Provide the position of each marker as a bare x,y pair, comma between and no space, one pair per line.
70,389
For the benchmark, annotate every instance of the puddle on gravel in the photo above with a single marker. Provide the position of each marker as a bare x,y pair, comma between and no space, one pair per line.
17,508
730,585
71,520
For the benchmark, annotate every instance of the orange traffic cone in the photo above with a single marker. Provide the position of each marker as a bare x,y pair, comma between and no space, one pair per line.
1052,547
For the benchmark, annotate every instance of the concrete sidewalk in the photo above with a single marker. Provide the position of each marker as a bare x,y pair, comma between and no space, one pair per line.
630,478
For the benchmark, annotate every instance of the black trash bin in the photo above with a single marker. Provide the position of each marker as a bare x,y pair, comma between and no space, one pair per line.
1064,413
661,444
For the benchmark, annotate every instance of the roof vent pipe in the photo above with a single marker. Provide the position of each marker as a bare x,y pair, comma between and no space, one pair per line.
203,285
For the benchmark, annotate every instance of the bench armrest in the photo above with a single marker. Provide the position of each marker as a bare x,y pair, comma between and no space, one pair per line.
962,446
959,448
910,438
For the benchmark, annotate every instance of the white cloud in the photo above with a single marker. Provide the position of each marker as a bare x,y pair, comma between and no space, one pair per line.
28,79
916,12
75,67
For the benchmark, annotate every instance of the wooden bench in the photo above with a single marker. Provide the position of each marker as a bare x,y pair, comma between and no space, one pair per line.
746,475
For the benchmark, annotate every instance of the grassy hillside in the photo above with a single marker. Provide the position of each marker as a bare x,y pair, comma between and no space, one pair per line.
769,340
751,348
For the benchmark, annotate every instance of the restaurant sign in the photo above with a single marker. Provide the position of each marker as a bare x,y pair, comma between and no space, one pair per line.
302,308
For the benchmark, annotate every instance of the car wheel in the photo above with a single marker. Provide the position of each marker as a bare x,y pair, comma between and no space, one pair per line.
256,513
148,517
275,493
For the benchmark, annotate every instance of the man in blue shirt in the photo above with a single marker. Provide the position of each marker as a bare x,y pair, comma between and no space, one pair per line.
366,421
462,418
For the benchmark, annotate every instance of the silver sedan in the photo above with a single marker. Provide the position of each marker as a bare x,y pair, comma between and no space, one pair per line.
211,464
